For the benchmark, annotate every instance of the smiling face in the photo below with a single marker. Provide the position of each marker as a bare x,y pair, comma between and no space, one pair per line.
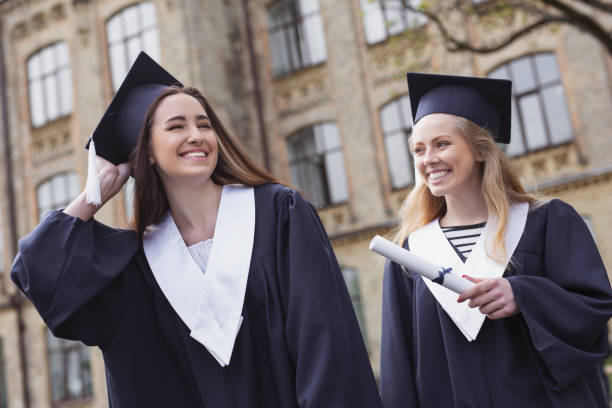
443,158
183,142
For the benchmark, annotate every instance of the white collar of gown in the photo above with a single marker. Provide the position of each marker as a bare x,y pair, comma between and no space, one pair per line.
210,303
430,243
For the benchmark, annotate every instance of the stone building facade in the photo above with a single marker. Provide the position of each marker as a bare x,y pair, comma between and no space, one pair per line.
315,89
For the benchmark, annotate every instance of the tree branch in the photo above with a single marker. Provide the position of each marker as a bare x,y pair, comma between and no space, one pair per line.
607,7
454,44
584,22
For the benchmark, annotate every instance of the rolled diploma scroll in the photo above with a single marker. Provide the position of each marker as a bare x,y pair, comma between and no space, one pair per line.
419,265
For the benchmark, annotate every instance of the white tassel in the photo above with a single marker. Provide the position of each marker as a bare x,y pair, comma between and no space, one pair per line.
92,187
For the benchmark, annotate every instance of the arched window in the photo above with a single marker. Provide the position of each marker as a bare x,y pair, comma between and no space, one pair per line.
396,122
296,35
317,164
57,192
385,18
540,117
69,369
49,84
128,32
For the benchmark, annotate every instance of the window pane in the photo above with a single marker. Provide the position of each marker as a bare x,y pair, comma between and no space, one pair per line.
62,55
557,114
352,284
516,146
499,73
53,343
118,64
393,14
389,116
44,195
522,75
314,41
134,47
60,193
292,42
86,370
373,21
414,19
332,137
147,15
308,6
114,32
302,144
37,100
280,60
65,87
50,89
56,373
398,160
75,383
533,121
131,21
278,14
547,68
73,186
48,60
150,41
34,67
336,177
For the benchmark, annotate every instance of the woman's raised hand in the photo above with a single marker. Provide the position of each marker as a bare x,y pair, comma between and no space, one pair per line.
494,297
111,177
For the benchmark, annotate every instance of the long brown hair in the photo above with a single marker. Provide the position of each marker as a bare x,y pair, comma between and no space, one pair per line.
234,166
501,188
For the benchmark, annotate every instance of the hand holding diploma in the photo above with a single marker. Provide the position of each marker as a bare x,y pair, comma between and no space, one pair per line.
419,265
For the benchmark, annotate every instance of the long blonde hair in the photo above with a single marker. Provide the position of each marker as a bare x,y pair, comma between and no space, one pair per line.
501,188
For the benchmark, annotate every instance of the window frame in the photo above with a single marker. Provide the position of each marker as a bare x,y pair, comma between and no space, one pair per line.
64,349
125,39
68,176
405,14
56,72
356,298
537,90
318,158
295,24
405,119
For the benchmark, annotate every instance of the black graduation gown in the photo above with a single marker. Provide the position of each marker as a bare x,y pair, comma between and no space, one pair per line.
299,343
545,356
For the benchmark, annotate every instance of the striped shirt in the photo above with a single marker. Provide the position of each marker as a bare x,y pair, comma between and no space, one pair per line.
464,237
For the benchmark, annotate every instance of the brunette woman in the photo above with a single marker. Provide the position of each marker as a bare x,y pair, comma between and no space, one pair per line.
226,293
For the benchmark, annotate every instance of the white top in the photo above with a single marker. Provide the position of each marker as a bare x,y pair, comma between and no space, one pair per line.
430,243
200,252
210,304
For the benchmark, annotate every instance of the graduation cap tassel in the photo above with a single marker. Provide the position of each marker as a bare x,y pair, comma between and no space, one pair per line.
92,187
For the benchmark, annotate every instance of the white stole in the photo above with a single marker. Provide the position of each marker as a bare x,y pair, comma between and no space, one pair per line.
210,304
430,243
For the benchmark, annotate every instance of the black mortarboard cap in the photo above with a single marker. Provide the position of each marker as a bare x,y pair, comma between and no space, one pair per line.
484,101
116,135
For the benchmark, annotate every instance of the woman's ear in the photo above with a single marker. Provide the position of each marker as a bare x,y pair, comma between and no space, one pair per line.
151,160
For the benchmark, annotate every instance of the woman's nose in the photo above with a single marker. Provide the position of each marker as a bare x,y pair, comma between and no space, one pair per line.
194,135
429,157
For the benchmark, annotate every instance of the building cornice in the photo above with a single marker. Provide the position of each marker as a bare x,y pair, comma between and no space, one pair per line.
573,180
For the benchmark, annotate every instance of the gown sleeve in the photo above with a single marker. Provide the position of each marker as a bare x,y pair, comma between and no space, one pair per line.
567,304
67,268
397,382
325,343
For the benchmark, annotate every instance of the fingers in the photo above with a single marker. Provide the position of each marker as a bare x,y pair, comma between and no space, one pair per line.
477,290
493,297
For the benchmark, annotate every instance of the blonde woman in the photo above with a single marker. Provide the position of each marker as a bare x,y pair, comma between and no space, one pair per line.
531,330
